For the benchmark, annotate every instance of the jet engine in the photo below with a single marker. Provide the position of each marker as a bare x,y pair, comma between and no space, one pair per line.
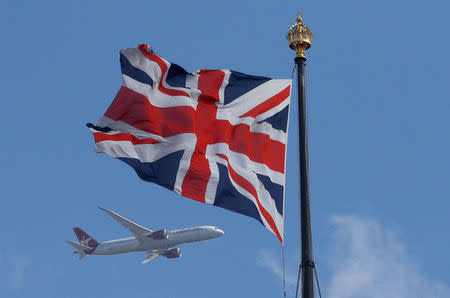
157,235
172,253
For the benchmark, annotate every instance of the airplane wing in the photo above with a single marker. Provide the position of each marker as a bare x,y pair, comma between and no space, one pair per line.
151,255
134,228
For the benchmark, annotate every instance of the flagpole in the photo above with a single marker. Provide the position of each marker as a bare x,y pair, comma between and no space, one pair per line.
300,37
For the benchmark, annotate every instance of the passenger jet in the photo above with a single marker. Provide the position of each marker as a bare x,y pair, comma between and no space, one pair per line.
155,243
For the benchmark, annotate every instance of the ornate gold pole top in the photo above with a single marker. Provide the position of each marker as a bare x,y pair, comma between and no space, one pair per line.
299,37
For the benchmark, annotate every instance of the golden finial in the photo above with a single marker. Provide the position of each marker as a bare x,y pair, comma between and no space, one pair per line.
299,37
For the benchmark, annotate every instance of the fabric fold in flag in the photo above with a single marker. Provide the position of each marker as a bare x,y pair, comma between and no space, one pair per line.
214,136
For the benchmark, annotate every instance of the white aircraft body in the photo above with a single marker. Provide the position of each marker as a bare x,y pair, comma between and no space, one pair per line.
155,243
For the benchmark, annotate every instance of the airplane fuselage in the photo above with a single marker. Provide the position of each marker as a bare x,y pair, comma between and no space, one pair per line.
174,237
154,243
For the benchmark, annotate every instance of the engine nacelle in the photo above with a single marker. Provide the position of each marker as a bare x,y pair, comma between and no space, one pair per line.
172,253
158,235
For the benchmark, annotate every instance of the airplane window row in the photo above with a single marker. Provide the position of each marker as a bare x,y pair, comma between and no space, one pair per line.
185,230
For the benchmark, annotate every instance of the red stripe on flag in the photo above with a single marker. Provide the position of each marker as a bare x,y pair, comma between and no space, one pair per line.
269,104
196,179
136,110
209,83
101,136
258,147
242,182
163,67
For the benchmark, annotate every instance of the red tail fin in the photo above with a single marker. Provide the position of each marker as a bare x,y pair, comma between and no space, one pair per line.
84,238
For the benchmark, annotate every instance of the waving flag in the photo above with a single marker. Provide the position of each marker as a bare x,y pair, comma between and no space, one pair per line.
215,136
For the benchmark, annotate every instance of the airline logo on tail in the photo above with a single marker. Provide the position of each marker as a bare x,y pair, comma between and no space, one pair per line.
85,241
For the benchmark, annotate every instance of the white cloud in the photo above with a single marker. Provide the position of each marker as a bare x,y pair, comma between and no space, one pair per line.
12,271
368,260
17,272
268,259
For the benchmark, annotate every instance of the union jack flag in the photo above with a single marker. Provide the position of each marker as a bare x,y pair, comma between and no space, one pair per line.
215,136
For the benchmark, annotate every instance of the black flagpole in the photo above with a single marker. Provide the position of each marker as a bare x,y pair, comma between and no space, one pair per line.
299,38
307,264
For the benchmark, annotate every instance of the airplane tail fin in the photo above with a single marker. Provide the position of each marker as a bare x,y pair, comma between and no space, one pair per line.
84,238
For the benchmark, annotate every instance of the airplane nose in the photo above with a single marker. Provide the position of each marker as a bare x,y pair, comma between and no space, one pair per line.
215,231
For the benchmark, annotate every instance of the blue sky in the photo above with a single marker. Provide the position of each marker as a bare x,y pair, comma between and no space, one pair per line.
378,101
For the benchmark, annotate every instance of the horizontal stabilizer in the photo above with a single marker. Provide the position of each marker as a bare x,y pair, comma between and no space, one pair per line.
78,246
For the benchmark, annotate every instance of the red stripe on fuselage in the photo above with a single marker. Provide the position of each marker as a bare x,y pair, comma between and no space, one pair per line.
136,110
242,182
